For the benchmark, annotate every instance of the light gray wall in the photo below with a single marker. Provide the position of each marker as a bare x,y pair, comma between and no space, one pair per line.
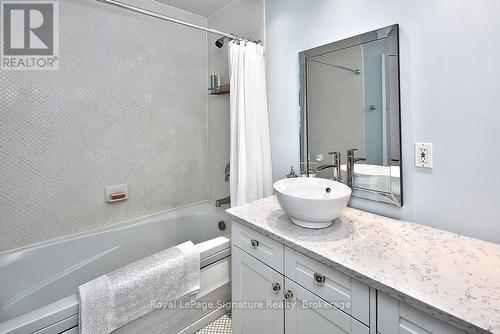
128,105
243,18
449,92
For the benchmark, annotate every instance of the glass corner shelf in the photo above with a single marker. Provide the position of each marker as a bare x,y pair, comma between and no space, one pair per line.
219,90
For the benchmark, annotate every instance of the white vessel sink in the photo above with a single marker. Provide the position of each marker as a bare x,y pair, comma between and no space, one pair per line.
312,202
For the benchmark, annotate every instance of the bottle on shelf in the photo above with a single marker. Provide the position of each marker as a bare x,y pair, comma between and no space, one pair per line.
213,80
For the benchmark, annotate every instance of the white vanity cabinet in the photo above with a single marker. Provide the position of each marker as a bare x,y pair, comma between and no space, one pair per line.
310,297
306,295
395,317
254,284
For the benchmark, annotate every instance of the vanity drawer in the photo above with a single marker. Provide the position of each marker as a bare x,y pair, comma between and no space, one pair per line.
395,317
259,246
310,314
348,294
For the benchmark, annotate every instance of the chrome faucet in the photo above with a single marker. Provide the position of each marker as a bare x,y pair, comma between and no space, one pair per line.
323,167
222,201
335,164
351,160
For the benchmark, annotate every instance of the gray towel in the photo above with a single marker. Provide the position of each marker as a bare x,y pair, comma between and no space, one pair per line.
115,299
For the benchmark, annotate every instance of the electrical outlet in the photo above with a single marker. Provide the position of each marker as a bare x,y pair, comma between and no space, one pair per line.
423,155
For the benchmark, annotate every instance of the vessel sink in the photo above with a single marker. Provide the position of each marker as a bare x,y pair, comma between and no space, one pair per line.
312,202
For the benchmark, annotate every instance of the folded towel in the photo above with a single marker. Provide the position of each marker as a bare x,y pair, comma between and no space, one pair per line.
117,298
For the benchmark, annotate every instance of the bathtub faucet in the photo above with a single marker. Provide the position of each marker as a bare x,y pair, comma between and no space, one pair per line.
222,201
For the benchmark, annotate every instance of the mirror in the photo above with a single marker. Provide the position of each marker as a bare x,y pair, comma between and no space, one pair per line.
349,101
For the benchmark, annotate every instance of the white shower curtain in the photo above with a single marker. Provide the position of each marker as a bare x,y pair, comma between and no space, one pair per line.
251,170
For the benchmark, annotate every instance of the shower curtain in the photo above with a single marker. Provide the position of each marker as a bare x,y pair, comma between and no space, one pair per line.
251,170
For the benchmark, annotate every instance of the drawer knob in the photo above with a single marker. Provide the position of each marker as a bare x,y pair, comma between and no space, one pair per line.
254,243
288,295
276,287
319,279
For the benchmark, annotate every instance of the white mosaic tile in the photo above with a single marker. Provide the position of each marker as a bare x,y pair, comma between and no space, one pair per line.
222,325
127,105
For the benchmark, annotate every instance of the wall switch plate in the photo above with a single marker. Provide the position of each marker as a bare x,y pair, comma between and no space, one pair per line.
423,155
116,193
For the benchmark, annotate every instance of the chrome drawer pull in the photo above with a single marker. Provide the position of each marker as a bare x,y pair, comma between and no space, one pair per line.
319,279
288,295
254,243
276,287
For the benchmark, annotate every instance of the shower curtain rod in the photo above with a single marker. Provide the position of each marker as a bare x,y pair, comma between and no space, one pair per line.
170,19
356,71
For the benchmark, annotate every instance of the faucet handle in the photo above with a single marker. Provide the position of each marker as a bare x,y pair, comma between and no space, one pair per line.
350,153
335,155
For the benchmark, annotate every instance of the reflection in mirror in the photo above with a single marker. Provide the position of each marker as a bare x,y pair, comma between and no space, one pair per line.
350,100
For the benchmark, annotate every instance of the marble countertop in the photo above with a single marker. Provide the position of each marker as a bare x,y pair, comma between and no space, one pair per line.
452,277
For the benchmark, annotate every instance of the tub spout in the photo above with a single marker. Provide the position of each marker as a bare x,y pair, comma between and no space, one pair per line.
222,201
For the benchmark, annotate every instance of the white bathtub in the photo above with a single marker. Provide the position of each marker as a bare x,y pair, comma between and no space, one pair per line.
38,284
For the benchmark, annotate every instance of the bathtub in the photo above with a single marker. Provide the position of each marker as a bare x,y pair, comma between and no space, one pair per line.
38,284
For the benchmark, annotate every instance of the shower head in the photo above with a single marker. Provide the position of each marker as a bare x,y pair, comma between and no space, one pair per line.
220,42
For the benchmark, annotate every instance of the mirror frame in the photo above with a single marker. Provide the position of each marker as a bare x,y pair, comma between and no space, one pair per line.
367,37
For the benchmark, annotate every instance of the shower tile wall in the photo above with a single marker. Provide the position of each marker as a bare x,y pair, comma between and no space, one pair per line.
128,105
244,18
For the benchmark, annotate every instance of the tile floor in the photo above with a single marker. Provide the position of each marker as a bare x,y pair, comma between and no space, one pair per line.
219,326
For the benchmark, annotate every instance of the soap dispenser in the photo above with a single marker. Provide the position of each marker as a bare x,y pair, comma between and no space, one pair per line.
292,173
